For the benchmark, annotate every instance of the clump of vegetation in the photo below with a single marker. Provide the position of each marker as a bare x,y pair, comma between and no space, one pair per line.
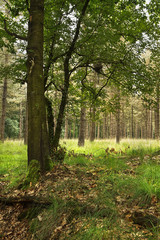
59,154
33,174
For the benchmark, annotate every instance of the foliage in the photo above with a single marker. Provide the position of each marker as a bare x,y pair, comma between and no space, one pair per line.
33,174
59,154
11,128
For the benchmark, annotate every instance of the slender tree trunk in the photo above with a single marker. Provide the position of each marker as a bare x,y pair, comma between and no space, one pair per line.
104,126
26,125
123,123
4,101
37,128
92,127
74,129
157,113
111,126
132,122
151,126
87,130
81,138
20,121
70,131
50,120
55,111
98,130
118,117
67,76
66,128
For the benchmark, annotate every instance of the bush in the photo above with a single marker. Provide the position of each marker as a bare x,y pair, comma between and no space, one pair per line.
59,154
11,128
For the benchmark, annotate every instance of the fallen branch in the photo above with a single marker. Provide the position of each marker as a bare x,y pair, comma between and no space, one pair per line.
25,200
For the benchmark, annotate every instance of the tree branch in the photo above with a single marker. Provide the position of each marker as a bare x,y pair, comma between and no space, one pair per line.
12,33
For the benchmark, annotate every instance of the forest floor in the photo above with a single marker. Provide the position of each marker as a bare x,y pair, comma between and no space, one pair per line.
114,196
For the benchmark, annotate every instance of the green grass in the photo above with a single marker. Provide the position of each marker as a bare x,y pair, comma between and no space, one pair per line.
115,175
13,161
97,148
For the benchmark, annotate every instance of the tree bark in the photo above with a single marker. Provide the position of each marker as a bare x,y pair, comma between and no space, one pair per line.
118,117
50,120
132,122
26,125
104,133
157,113
98,130
20,121
92,126
66,128
37,128
4,101
81,137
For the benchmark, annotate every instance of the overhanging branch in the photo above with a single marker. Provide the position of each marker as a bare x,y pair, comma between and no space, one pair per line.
12,33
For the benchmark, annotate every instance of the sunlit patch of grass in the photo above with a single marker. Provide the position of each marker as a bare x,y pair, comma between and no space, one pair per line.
128,147
140,188
151,176
13,161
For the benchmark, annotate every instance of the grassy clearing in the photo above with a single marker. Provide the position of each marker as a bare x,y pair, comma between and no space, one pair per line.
98,147
13,161
94,195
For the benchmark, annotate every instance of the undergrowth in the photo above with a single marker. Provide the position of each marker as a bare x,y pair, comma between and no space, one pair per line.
127,175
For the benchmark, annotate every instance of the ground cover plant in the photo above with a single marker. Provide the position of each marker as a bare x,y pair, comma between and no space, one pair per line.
102,191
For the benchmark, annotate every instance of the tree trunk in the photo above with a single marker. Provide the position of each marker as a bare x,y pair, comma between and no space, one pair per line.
123,135
4,101
151,126
157,113
67,76
87,129
66,128
98,130
74,129
118,117
81,137
132,122
50,120
92,126
26,125
111,126
37,128
20,121
104,126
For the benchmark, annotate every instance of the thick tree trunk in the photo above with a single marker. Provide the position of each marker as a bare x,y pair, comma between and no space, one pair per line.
37,128
4,101
81,137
